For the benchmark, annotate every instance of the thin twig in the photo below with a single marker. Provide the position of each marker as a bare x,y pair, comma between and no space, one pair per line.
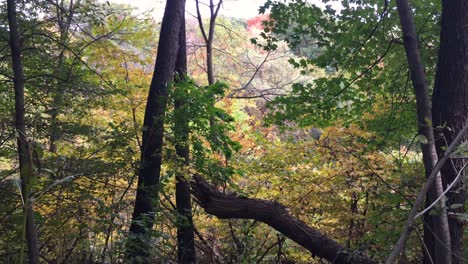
443,194
400,245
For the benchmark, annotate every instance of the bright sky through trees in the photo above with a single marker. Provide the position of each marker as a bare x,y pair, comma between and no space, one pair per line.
232,8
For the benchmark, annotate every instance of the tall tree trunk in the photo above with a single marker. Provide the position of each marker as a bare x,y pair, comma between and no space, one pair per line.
185,229
139,240
450,107
440,223
24,151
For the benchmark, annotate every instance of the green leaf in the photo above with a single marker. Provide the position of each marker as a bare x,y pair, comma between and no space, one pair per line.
17,183
456,206
428,121
422,139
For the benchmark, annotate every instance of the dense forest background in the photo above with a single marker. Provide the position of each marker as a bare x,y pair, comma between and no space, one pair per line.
301,135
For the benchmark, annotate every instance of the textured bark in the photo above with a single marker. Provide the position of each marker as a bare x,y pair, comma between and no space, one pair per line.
450,107
185,229
439,222
277,216
138,244
24,151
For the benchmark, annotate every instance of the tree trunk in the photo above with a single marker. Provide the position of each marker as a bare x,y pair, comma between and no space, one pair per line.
209,37
425,129
450,107
277,216
64,19
24,151
185,229
139,240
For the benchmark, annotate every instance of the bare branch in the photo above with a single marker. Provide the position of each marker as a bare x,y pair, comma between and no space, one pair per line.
443,194
400,245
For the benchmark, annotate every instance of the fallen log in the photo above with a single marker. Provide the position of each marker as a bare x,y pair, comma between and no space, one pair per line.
277,216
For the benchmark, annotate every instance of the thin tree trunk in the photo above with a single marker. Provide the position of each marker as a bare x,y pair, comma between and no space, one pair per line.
54,129
208,38
24,151
185,229
400,245
450,107
425,129
63,22
139,240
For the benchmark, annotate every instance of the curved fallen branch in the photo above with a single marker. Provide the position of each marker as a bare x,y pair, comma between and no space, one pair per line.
275,215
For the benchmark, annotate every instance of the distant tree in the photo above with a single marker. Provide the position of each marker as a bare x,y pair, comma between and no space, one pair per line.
208,35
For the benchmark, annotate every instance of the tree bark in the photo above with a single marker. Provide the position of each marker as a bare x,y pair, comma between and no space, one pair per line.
139,240
24,151
277,216
440,223
185,228
450,107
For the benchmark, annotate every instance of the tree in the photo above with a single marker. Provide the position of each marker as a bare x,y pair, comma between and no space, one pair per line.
184,222
64,18
214,9
139,240
425,129
24,148
437,231
449,113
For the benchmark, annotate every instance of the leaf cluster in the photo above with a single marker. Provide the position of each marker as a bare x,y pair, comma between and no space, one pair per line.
207,130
